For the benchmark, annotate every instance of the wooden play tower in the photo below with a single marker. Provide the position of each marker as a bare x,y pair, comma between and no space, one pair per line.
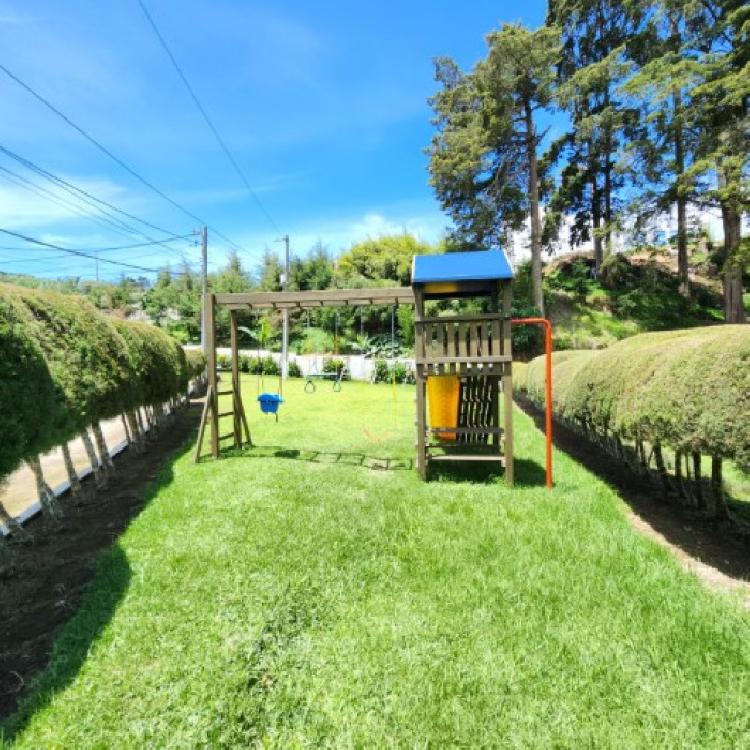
463,362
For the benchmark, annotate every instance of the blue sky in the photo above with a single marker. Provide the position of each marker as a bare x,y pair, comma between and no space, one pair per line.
324,105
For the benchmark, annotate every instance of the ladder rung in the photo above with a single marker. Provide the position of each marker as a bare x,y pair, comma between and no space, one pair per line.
224,393
467,457
226,414
228,435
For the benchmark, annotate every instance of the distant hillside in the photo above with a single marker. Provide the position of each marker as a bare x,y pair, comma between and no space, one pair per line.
633,293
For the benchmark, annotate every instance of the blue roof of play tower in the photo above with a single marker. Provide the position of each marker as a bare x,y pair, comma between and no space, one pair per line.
474,265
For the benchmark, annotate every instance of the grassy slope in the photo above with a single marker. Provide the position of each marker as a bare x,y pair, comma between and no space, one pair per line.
305,599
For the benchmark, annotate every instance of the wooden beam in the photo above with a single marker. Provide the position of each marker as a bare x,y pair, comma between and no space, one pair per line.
209,306
236,424
375,296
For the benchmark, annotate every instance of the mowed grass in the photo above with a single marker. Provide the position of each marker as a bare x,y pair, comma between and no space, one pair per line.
313,591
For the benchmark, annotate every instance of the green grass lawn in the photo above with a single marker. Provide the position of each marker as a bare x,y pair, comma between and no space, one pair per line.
314,592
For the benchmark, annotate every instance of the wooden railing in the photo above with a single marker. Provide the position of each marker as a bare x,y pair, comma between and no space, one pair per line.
463,340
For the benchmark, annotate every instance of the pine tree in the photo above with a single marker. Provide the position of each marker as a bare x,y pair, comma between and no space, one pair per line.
669,138
484,161
592,66
722,102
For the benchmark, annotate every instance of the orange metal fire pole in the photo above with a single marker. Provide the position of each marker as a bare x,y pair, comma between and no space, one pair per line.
548,390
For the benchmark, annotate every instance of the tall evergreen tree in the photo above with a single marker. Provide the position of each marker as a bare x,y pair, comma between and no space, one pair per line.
484,161
722,102
592,66
669,136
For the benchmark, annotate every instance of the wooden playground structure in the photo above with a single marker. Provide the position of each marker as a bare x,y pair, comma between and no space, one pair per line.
463,362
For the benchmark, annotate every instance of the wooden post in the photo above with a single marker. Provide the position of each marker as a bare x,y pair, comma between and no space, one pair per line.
209,305
508,385
421,427
421,401
236,408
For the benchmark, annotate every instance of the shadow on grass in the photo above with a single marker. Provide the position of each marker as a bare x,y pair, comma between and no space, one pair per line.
109,583
708,541
527,473
344,458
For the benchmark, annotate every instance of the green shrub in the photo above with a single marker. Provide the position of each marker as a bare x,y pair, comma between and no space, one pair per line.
28,393
64,366
196,362
224,362
333,366
381,372
689,389
87,358
294,370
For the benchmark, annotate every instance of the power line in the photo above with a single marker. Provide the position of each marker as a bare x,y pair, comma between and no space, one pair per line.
77,191
80,253
112,156
208,120
101,220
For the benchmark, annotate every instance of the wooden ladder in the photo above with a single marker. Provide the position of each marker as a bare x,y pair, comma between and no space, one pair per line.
211,409
239,423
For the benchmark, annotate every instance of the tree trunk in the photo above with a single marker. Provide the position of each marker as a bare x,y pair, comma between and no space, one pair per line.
682,250
101,444
596,219
678,475
662,469
537,291
126,429
75,482
721,510
47,499
608,193
135,432
679,158
10,523
734,309
93,458
697,479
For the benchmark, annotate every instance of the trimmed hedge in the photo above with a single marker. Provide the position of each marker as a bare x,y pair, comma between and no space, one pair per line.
688,389
65,366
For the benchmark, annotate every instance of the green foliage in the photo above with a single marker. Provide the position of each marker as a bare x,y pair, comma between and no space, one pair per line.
294,369
86,355
28,394
386,258
157,363
261,366
313,341
333,366
196,362
689,389
66,366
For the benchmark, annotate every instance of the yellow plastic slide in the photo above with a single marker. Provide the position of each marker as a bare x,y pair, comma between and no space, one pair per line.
442,402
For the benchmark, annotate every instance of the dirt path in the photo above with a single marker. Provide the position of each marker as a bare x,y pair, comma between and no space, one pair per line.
711,551
42,583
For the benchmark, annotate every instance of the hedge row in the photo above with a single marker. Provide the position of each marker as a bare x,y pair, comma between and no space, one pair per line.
687,389
65,366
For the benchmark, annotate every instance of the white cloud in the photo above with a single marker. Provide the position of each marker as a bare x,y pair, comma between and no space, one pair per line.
23,209
340,233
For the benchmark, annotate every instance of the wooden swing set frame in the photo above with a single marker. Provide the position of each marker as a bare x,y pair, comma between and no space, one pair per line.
475,348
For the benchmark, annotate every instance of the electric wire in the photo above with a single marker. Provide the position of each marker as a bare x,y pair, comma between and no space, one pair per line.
78,191
79,253
208,120
112,156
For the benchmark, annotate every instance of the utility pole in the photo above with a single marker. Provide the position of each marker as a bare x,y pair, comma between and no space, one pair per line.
204,286
285,314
